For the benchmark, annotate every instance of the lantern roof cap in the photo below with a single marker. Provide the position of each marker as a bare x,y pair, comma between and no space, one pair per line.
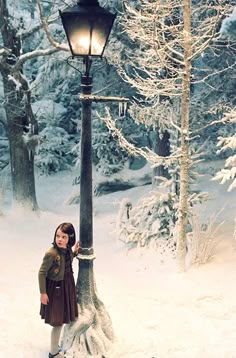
88,2
85,6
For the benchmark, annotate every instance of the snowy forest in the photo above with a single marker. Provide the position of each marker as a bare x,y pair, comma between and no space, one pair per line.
175,61
181,104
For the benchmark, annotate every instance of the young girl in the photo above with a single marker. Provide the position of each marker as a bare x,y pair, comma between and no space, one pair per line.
57,285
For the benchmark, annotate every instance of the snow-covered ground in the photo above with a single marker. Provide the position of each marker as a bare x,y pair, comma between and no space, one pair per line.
156,311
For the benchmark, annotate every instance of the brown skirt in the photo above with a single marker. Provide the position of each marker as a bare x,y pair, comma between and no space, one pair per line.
62,306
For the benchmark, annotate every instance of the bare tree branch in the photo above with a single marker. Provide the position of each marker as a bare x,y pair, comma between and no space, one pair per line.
64,47
219,121
29,55
203,80
146,153
25,35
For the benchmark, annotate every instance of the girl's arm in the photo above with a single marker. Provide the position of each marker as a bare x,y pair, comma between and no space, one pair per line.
45,266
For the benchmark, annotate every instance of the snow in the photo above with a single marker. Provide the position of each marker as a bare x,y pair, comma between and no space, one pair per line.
156,311
229,19
17,83
47,108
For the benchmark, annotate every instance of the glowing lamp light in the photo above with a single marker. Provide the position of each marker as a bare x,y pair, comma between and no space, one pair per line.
87,26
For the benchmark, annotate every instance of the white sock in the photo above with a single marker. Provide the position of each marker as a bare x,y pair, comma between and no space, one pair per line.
55,336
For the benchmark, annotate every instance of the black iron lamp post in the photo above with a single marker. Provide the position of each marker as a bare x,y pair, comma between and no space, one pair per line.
87,27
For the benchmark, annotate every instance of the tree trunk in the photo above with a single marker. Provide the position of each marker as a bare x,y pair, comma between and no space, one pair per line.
184,162
21,158
20,118
162,148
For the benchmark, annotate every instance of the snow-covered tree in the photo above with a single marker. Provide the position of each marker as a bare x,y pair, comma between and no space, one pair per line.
107,155
55,143
20,25
168,36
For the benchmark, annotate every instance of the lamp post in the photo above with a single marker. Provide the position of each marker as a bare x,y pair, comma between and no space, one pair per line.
87,27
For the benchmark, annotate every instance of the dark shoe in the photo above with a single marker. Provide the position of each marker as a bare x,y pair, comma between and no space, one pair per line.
58,355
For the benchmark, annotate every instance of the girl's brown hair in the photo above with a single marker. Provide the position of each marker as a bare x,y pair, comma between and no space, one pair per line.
68,229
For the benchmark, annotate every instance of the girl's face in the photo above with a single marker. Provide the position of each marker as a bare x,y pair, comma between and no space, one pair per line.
62,239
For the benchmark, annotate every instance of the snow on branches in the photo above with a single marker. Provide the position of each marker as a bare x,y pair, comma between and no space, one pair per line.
228,144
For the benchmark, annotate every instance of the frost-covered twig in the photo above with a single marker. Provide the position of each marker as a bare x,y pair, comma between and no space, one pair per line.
203,239
218,121
148,154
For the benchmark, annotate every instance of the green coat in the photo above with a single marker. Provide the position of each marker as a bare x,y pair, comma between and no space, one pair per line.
53,267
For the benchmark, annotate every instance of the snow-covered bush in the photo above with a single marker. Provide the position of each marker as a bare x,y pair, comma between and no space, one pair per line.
228,173
229,25
153,217
202,240
228,143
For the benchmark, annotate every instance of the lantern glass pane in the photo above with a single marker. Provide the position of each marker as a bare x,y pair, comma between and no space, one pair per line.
100,34
78,34
87,36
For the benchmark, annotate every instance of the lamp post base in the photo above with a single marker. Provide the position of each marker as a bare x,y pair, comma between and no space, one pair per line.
92,333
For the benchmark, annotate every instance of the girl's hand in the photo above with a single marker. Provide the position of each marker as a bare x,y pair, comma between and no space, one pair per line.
44,298
76,248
